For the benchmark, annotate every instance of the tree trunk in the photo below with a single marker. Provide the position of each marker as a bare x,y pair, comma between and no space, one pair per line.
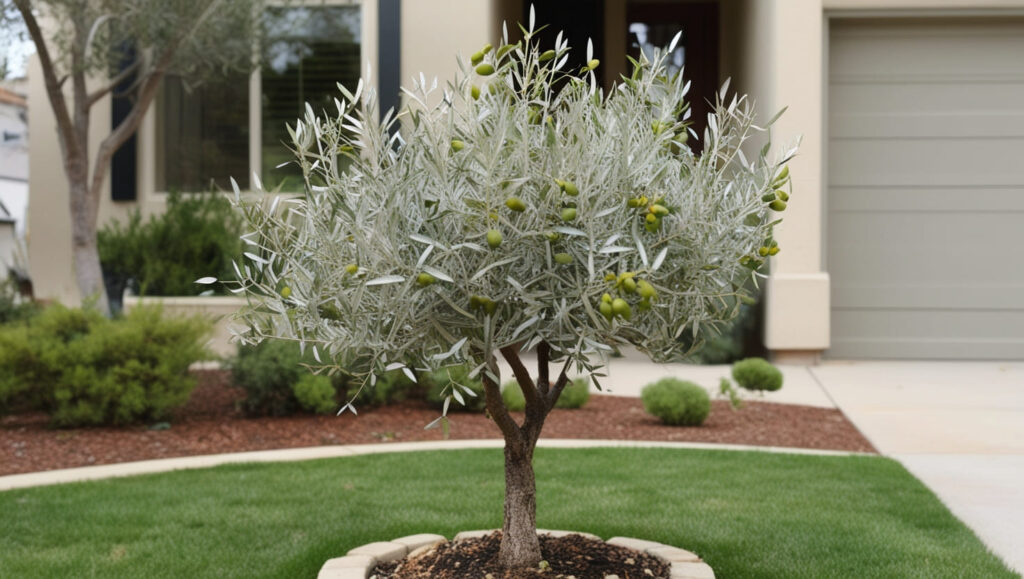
519,544
85,252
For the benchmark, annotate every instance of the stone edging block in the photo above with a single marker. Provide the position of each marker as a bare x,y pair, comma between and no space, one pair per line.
360,561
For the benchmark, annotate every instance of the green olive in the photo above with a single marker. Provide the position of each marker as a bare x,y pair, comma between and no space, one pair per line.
563,258
568,214
629,285
485,69
645,290
286,292
458,145
476,58
474,92
425,279
547,55
606,298
778,205
352,268
621,308
494,238
515,204
606,310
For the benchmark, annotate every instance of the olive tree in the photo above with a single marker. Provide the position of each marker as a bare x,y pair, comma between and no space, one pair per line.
88,49
527,211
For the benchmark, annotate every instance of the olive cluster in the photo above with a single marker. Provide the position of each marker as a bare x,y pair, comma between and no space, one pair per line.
652,212
626,284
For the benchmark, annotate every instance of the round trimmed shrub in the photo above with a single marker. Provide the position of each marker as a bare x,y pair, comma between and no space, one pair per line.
315,394
575,394
677,402
757,374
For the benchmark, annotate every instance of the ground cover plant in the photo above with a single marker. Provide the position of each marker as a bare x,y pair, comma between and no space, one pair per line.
748,514
526,211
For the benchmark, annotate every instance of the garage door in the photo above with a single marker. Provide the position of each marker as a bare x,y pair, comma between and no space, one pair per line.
925,232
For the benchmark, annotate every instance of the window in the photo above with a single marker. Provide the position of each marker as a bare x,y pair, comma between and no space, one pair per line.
216,131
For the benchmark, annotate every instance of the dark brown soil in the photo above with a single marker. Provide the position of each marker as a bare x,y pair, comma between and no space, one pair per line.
570,556
210,424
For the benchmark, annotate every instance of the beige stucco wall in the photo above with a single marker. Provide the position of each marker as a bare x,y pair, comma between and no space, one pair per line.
434,31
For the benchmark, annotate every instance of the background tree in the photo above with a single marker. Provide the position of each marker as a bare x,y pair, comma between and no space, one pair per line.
89,49
526,211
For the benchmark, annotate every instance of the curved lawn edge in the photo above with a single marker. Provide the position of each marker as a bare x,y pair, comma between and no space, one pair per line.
87,473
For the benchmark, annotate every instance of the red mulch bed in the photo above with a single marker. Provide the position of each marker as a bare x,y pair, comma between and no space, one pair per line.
210,424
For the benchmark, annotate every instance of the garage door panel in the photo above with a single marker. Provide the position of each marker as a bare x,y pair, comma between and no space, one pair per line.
940,126
917,162
976,248
930,334
948,98
934,296
914,51
950,198
926,188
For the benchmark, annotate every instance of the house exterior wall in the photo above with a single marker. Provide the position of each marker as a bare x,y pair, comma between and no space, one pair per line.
775,50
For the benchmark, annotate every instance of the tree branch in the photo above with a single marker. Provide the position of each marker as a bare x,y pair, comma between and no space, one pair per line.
559,385
543,356
112,84
496,407
53,86
511,354
147,92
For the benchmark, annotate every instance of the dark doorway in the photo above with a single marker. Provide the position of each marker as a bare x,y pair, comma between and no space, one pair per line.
651,24
579,20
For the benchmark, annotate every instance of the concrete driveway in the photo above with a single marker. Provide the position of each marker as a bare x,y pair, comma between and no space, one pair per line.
957,426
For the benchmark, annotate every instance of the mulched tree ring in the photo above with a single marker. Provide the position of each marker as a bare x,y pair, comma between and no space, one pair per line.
566,555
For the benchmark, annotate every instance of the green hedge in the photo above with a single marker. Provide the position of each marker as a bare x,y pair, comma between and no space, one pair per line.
197,236
84,369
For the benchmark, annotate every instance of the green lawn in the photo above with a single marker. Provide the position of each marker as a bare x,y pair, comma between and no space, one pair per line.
747,514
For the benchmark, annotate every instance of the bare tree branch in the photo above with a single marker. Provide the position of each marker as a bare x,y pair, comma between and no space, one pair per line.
112,83
497,409
53,86
511,355
559,385
543,356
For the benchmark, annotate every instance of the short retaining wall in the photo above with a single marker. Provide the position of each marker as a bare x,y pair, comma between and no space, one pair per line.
358,563
219,309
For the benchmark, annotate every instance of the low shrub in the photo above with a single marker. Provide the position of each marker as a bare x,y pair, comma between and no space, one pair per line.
268,372
757,374
84,369
574,395
197,236
315,393
13,306
442,382
676,402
